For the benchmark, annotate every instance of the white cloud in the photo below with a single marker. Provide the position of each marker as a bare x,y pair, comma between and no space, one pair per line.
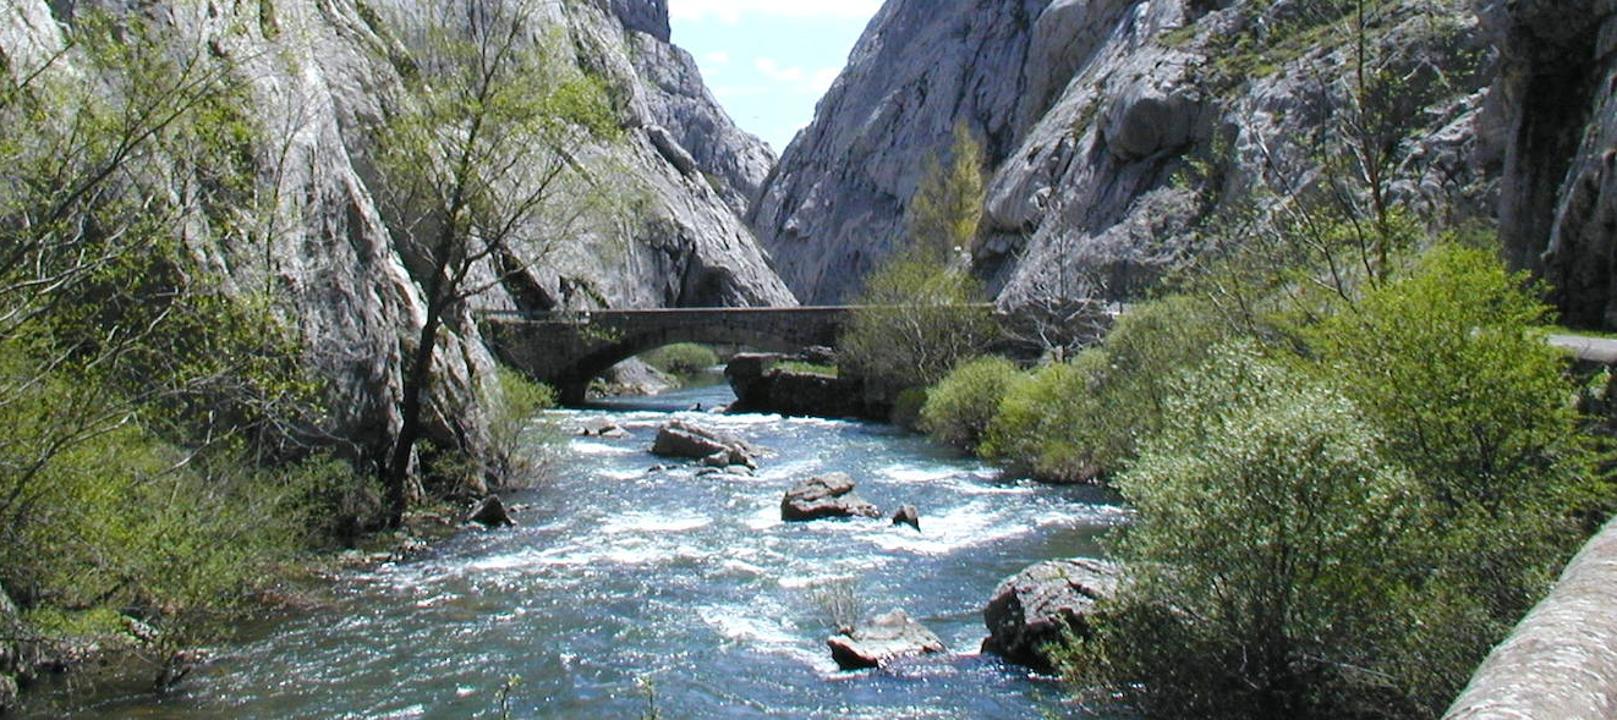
717,58
776,72
731,11
796,78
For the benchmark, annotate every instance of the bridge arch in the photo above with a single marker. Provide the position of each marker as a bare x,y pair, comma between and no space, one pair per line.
568,350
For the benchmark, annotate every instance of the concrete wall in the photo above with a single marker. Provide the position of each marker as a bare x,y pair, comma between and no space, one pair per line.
1560,663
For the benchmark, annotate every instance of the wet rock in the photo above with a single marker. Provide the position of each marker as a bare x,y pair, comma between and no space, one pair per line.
492,513
602,427
881,640
823,497
908,515
684,440
1034,607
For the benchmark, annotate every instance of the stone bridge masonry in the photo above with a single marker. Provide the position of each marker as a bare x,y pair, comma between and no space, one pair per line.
568,350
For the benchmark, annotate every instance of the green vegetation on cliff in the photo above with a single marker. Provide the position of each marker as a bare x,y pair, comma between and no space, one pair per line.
914,330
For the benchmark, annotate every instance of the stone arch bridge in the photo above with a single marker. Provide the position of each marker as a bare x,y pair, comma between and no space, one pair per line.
569,349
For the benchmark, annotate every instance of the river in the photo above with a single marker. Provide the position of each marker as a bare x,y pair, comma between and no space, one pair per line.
619,579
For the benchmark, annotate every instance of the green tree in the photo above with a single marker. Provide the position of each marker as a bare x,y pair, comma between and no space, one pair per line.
484,181
918,320
947,209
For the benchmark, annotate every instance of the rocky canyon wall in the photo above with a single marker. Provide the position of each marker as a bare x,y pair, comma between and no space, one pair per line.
1116,130
321,75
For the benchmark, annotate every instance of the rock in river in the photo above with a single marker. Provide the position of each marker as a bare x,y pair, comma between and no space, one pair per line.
908,515
827,496
881,640
1032,608
492,513
684,440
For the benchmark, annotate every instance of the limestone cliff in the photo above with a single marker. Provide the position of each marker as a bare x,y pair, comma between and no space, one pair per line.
1113,128
1556,111
321,75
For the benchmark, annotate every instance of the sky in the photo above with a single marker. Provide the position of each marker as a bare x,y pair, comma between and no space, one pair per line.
769,61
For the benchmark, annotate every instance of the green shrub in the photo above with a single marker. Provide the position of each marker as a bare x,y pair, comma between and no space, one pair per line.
1447,361
1346,530
520,446
1081,420
907,408
958,410
1264,558
916,324
1046,425
682,359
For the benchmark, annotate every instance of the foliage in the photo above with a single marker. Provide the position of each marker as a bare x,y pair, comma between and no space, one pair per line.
122,519
918,321
1080,420
916,325
1046,425
520,443
907,408
807,368
158,456
682,359
947,208
1447,361
1342,524
1263,557
959,409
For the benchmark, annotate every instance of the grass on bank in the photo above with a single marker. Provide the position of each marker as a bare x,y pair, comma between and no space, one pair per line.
682,360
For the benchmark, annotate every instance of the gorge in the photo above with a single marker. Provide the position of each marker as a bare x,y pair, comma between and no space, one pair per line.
1128,147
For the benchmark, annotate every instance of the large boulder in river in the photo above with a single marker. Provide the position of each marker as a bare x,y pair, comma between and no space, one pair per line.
881,640
683,440
1033,608
826,496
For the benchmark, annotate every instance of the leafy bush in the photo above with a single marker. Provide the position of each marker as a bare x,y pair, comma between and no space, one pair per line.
1046,425
907,408
915,325
682,359
959,409
1260,557
518,451
1080,420
1346,530
1447,361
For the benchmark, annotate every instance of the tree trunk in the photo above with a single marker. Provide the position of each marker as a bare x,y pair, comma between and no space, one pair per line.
417,383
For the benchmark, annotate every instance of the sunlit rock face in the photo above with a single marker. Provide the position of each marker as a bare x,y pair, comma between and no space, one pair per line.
322,75
1116,130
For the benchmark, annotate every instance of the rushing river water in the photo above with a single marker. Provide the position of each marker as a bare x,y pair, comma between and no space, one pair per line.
618,575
